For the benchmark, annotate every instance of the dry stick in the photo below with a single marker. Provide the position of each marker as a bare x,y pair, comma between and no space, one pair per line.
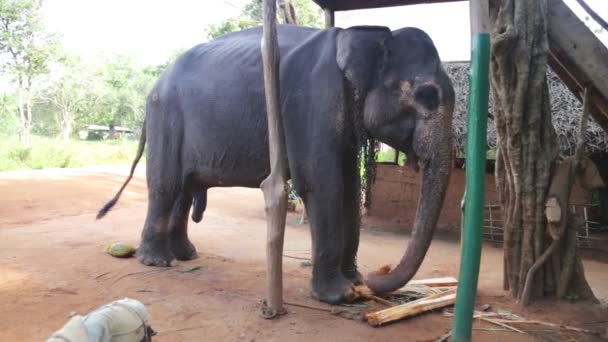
295,257
362,291
484,317
502,324
435,282
142,272
180,329
445,336
553,325
307,306
478,314
383,301
525,297
101,275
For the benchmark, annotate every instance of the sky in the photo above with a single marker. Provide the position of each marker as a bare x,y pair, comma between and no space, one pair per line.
152,30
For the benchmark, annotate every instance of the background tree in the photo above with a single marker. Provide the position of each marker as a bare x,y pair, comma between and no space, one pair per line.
25,51
306,14
67,86
527,144
120,101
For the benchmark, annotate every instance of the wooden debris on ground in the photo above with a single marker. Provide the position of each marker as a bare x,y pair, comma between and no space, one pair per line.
434,301
424,295
506,320
413,292
416,297
434,282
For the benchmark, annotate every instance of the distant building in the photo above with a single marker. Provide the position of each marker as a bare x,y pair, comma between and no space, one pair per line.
97,132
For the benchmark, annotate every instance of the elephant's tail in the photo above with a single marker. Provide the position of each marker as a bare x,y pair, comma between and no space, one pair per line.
140,151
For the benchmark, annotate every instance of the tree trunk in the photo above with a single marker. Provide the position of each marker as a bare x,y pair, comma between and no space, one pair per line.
24,113
28,117
66,124
288,12
527,143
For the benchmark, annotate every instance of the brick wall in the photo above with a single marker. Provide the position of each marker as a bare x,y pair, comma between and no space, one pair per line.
396,190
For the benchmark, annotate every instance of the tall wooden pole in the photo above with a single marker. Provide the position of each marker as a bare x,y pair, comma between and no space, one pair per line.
330,18
475,173
274,186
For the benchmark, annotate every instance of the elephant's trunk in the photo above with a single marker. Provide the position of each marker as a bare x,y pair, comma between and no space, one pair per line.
435,179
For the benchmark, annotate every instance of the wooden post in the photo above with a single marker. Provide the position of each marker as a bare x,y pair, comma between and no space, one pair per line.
274,186
330,18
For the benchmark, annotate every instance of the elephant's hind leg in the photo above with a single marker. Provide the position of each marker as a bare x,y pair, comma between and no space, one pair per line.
180,245
154,249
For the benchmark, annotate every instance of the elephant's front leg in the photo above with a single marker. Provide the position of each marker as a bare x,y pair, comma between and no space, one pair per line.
351,218
324,207
180,245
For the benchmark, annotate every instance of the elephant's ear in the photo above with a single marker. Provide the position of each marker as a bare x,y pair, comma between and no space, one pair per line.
361,52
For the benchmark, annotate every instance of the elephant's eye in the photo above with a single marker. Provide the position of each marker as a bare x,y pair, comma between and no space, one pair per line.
428,96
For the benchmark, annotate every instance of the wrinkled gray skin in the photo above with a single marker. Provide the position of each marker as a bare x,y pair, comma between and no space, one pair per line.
206,127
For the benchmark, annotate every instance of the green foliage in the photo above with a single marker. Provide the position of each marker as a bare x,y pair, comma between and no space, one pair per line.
307,13
77,94
9,121
26,46
192,269
20,154
389,157
118,95
52,153
229,25
64,92
26,50
126,88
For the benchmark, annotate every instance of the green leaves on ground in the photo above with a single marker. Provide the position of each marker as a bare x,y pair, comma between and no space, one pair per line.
192,269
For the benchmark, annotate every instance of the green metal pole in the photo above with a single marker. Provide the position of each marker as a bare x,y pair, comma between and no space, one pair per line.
475,188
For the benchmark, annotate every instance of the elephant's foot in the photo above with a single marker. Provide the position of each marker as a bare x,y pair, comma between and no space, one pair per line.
183,249
353,275
333,290
155,253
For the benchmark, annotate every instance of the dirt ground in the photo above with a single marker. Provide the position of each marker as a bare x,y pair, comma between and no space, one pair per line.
52,263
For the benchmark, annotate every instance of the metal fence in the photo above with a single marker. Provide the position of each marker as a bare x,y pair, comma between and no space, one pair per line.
493,224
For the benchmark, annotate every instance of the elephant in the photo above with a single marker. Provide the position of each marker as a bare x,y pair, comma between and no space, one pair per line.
206,126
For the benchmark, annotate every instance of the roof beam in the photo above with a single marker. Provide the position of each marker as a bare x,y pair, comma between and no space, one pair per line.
345,5
579,58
